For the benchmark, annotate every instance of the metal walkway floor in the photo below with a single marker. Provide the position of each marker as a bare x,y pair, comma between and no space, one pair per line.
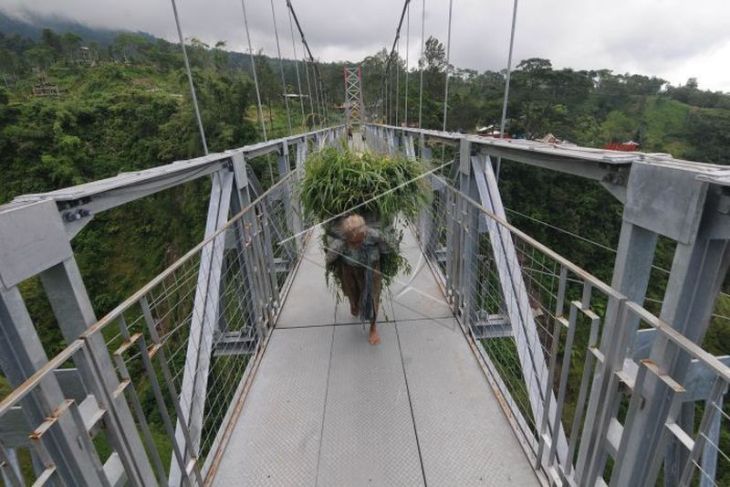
326,408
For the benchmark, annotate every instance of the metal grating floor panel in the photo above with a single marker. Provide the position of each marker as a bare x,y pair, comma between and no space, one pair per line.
327,409
464,436
276,440
368,436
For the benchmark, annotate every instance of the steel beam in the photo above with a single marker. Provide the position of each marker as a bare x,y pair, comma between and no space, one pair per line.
631,272
696,276
203,324
78,204
22,355
74,313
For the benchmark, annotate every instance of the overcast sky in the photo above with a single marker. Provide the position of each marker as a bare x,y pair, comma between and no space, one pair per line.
672,39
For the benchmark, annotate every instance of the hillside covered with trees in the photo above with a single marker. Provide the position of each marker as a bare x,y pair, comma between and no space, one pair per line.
76,109
124,105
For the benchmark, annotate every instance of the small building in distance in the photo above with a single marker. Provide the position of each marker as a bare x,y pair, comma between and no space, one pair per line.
43,87
629,146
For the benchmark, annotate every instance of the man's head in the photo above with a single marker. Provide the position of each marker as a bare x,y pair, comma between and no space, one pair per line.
354,230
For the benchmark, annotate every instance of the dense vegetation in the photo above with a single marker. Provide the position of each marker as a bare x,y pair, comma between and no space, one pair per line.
124,105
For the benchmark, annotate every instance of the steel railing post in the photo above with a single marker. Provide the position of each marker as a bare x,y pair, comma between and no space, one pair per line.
73,311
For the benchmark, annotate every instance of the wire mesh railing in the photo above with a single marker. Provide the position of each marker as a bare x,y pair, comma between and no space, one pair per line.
574,361
182,347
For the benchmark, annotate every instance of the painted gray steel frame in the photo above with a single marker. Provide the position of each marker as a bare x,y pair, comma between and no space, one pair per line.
521,316
696,216
20,347
204,320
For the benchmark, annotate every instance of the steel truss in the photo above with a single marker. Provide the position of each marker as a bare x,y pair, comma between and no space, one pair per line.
654,363
354,107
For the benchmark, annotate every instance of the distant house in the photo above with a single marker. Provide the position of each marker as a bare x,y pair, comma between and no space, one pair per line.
629,146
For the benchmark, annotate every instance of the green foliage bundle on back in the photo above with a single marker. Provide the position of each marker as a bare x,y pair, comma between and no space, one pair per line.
340,182
335,181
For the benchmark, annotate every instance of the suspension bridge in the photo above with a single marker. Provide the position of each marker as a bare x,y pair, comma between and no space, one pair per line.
502,362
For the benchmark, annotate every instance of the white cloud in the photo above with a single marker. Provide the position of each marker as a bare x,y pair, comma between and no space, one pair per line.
672,39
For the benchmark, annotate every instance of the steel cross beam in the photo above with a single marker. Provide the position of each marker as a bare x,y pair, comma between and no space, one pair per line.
79,204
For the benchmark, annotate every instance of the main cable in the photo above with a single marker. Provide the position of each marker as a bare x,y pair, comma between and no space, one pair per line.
318,83
392,49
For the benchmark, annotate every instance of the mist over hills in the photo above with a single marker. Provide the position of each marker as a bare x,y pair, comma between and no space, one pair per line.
31,25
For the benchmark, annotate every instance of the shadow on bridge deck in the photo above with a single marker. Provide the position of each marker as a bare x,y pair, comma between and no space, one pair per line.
326,408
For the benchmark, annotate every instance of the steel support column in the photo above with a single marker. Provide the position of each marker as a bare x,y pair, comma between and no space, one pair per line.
73,310
516,299
21,355
246,246
203,324
696,276
631,272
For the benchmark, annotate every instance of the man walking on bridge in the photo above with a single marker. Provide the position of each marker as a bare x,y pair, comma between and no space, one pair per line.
355,253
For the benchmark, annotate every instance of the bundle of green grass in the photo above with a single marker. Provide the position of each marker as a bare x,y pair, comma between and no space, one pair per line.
380,188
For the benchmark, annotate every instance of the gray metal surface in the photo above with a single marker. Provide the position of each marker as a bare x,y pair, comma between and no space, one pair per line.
32,239
416,295
464,436
368,436
326,408
277,438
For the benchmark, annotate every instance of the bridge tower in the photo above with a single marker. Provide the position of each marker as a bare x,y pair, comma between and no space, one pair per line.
354,108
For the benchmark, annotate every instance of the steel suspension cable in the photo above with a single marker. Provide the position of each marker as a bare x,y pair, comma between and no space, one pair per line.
387,94
422,63
506,85
296,65
260,109
281,67
397,80
324,102
408,39
448,66
309,88
318,84
190,78
393,48
318,96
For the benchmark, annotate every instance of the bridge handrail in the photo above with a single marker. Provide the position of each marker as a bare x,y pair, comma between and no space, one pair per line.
218,301
654,321
598,160
563,349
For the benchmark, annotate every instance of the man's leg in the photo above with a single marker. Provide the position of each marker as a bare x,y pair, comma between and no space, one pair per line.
374,338
349,287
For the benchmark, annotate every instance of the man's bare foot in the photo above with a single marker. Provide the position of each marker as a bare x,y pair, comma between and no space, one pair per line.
374,338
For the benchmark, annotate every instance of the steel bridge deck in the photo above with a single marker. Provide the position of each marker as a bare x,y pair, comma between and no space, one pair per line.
325,408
